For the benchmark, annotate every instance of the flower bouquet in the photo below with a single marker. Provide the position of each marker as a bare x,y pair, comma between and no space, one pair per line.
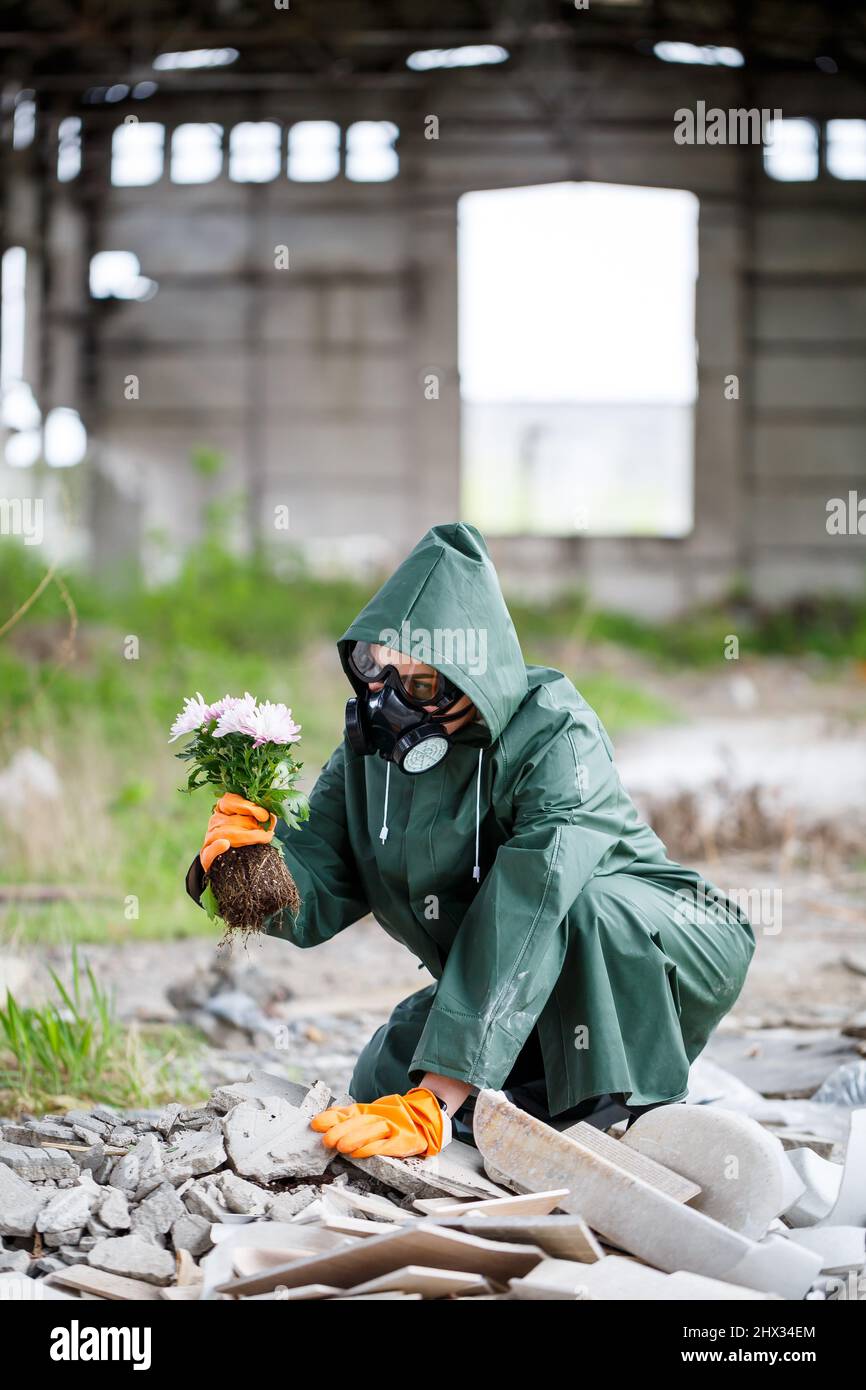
245,750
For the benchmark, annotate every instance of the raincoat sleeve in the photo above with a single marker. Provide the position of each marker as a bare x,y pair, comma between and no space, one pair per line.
510,947
319,857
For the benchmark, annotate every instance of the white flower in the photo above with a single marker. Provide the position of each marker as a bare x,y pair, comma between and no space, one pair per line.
274,724
191,717
237,717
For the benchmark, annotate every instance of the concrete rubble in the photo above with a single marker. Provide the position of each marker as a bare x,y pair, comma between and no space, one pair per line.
238,1198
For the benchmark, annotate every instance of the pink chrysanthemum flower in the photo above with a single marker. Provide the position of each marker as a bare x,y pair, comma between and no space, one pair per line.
191,717
273,723
237,718
219,707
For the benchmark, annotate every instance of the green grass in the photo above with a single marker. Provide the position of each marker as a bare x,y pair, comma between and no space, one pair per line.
74,1052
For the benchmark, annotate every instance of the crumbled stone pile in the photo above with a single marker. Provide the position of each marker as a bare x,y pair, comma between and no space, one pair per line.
239,1197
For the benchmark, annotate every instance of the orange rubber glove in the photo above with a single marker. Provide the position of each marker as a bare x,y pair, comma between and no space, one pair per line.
235,822
401,1126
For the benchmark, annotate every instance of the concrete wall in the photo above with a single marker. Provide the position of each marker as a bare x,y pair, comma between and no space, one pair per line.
311,380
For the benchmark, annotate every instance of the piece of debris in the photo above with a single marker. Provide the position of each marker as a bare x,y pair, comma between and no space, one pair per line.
821,1182
20,1204
744,1177
615,1277
238,1198
422,1244
270,1139
630,1213
133,1257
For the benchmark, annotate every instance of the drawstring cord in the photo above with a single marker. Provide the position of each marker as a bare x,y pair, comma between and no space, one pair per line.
476,872
383,833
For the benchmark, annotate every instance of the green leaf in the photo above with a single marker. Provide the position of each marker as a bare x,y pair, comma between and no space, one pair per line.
209,902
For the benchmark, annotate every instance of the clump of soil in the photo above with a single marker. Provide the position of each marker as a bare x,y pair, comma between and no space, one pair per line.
251,883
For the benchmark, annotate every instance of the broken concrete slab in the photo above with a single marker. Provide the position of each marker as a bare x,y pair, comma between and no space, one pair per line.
363,1226
380,1208
218,1266
422,1244
628,1212
156,1215
10,1289
712,1085
845,1086
259,1085
33,1132
650,1170
194,1152
192,1233
821,1183
271,1139
795,1139
849,1209
565,1237
113,1209
14,1261
188,1272
133,1257
205,1199
70,1235
307,1293
620,1279
423,1280
287,1205
532,1204
20,1204
781,1063
241,1196
67,1210
141,1163
744,1177
85,1119
37,1164
102,1284
840,1247
457,1171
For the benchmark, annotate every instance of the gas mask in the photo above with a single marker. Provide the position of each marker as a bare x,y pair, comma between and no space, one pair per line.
392,721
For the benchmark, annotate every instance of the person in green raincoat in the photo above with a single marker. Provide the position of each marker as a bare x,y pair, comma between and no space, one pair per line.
474,808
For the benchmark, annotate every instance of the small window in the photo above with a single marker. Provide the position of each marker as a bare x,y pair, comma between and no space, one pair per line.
791,152
846,149
314,151
196,153
13,285
24,121
370,153
254,152
137,154
117,275
65,438
69,149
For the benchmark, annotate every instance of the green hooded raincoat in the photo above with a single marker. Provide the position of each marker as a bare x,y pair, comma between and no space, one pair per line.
579,924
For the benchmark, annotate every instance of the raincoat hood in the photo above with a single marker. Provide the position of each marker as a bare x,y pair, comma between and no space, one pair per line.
443,605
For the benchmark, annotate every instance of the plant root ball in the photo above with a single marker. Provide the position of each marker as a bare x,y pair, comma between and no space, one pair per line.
251,883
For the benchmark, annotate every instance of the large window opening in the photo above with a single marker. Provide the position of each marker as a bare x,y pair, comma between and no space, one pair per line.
578,359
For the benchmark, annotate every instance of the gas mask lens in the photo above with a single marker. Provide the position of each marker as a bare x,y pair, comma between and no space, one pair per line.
371,661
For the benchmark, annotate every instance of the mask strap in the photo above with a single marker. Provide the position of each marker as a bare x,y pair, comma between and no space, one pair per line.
383,833
476,872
